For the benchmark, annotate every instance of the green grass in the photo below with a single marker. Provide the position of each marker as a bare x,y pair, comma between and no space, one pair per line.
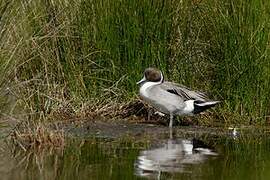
54,52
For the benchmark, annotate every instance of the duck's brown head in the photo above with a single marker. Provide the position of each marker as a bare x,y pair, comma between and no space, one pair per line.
152,75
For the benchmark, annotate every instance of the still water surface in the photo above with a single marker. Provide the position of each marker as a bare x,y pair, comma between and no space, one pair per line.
245,156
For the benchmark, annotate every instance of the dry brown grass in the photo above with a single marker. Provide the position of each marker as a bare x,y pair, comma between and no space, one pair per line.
101,111
38,135
134,111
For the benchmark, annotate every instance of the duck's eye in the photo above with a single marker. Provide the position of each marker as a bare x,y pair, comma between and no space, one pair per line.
147,74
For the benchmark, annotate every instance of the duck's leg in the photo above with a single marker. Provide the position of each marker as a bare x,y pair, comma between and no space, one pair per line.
150,111
171,134
171,120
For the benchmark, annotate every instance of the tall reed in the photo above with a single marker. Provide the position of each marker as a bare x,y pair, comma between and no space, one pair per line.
55,52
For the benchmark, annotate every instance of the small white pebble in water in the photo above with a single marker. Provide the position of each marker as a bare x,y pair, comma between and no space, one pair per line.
234,131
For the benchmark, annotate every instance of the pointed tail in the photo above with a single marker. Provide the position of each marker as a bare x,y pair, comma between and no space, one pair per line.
200,106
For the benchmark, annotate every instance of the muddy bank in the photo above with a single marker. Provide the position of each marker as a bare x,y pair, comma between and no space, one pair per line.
116,129
58,134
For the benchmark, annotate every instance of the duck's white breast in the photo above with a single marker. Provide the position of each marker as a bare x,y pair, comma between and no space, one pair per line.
144,89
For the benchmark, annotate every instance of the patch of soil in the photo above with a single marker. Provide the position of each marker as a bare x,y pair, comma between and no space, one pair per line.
122,128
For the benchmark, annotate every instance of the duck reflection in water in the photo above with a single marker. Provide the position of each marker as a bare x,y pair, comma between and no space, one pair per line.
172,156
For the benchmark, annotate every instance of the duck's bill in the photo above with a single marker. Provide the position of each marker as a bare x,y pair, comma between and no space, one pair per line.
141,81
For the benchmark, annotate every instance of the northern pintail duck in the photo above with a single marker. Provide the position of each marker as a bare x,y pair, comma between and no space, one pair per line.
171,98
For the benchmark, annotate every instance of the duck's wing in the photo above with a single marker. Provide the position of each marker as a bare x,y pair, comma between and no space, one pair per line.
184,92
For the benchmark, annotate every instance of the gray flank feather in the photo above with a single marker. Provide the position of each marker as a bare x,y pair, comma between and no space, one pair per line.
183,91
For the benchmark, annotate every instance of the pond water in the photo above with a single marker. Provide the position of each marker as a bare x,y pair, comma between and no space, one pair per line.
166,156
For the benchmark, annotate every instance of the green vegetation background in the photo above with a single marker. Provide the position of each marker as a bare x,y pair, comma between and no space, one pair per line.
54,52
